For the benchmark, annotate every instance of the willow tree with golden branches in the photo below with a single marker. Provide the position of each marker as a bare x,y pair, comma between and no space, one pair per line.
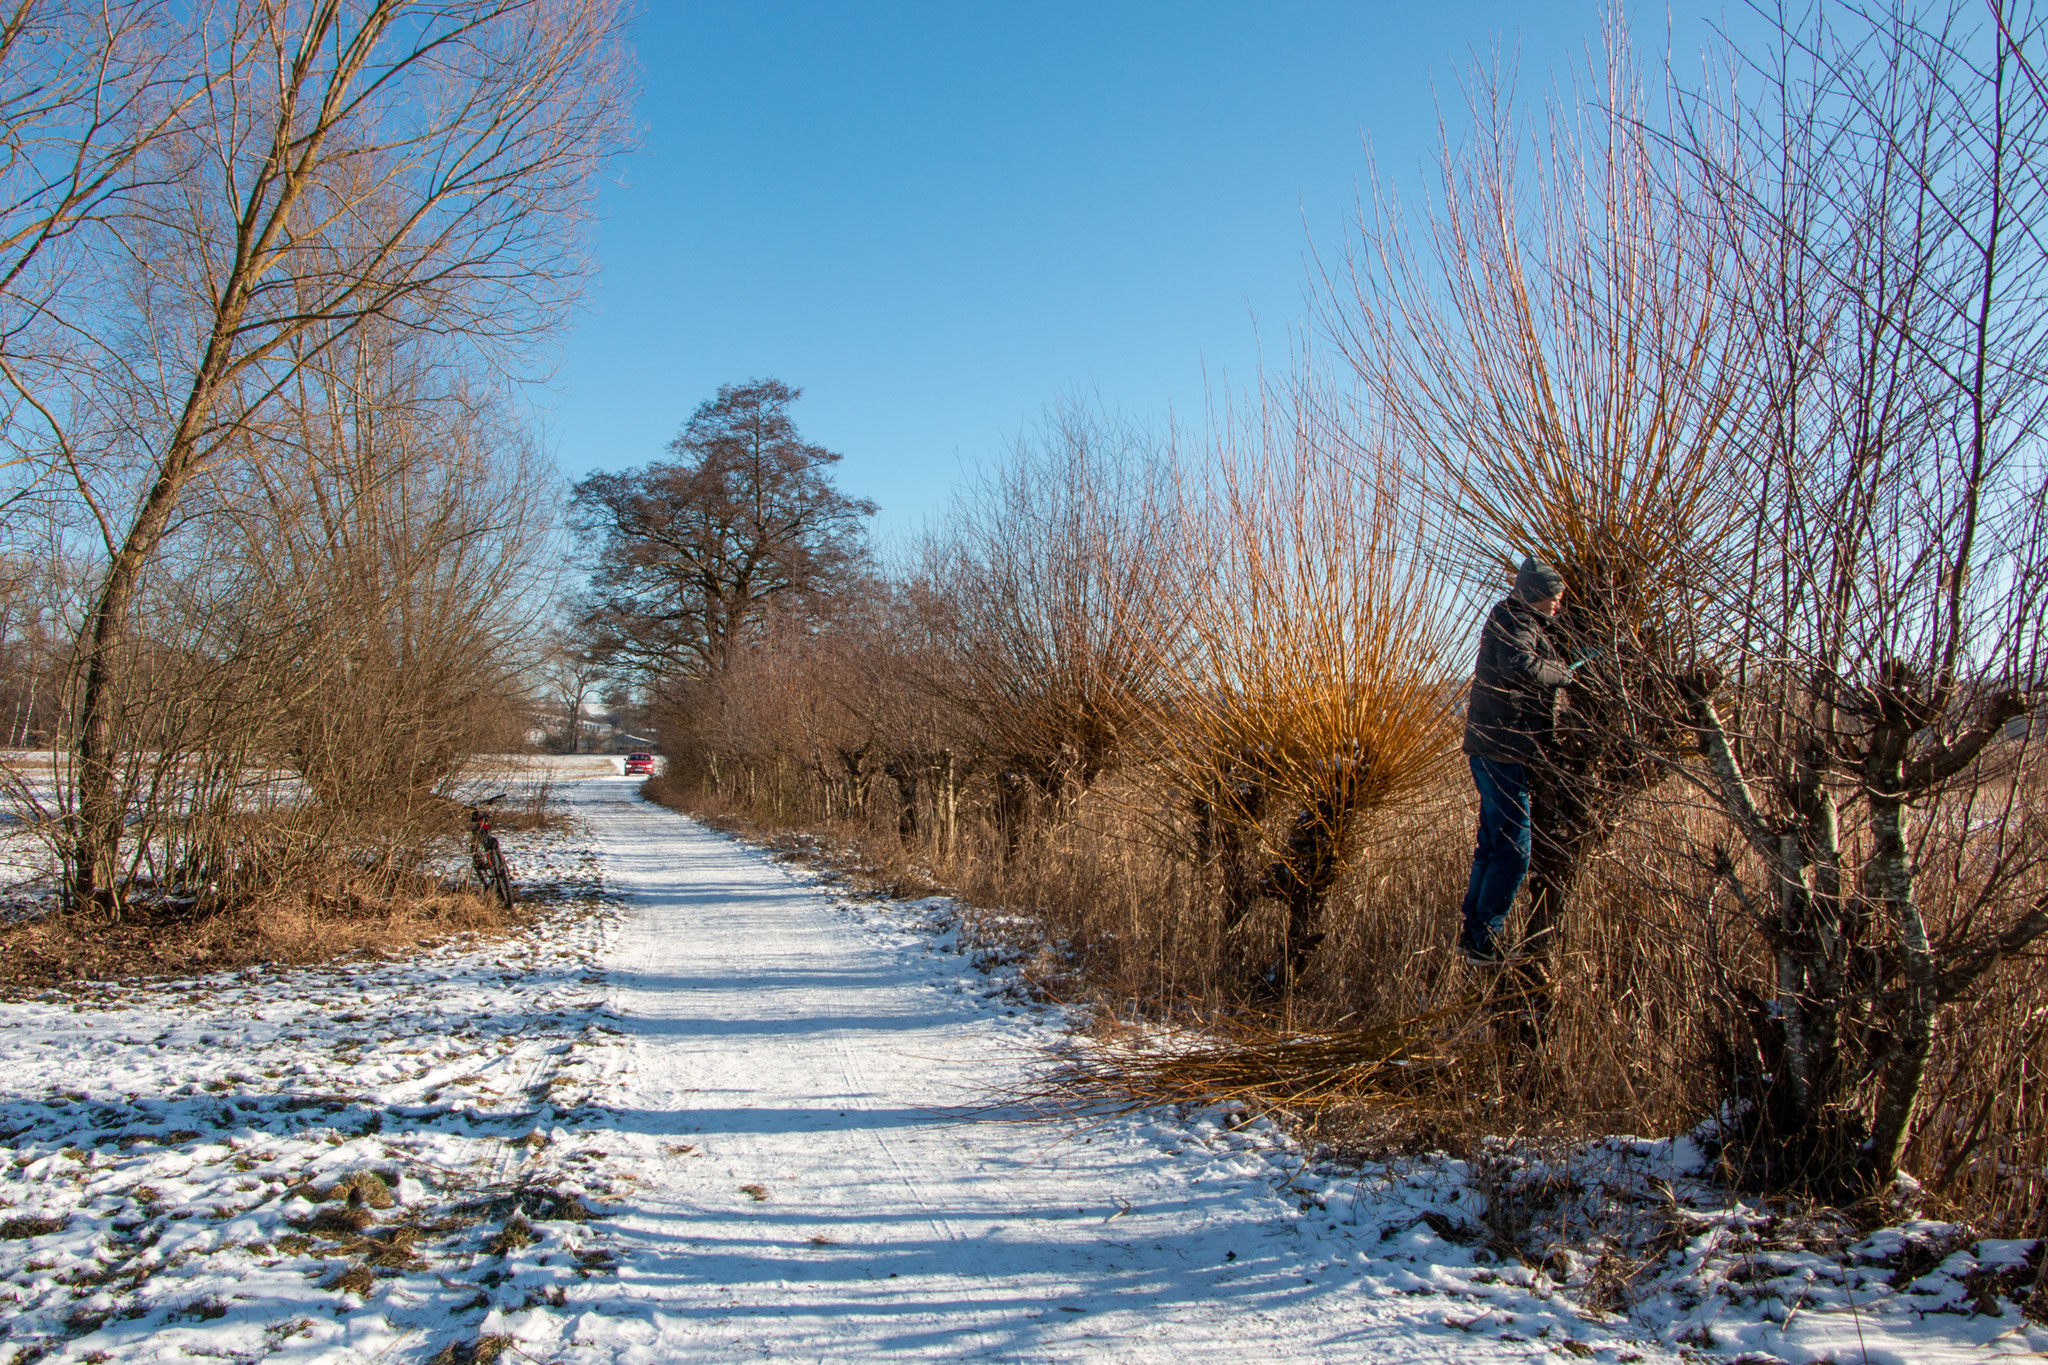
1550,337
1308,668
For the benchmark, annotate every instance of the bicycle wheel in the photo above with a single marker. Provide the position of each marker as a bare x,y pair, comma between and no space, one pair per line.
500,879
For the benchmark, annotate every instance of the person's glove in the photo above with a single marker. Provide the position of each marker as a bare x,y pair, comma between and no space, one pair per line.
1584,659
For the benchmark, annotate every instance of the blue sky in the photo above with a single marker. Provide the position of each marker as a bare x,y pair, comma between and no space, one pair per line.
937,218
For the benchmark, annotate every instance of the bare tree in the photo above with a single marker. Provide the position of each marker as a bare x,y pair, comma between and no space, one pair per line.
88,92
326,636
422,166
904,680
572,668
693,554
1053,578
1865,662
32,645
399,545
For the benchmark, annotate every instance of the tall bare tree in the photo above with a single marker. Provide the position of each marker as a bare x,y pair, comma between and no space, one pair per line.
693,554
88,92
1865,663
422,166
572,669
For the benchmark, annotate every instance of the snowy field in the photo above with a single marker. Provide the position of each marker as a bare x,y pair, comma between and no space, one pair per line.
720,1112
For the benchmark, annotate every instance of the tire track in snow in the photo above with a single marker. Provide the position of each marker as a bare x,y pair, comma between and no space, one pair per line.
858,1085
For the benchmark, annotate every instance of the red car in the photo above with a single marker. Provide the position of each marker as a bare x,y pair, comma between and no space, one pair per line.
639,763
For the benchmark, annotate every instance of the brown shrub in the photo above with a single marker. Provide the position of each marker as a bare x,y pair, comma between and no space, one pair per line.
293,927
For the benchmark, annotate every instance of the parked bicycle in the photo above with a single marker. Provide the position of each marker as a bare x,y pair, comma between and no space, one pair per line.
485,856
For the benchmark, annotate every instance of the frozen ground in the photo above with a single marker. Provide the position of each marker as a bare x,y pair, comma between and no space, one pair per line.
719,1116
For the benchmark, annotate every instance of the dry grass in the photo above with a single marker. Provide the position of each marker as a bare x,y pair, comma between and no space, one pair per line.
1261,1064
295,929
529,803
483,1351
356,1188
516,1233
359,1280
334,900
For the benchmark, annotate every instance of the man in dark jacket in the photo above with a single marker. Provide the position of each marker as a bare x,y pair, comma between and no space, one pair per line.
1514,691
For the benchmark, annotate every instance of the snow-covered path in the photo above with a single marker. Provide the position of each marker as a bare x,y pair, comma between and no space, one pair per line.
792,1088
701,1107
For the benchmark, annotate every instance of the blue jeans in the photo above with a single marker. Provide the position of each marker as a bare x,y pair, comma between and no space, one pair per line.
1502,858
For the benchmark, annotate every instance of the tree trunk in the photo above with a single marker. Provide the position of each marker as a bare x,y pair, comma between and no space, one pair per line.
1013,803
1302,881
1905,1066
1221,823
908,776
949,799
93,875
1571,813
1563,835
1808,1050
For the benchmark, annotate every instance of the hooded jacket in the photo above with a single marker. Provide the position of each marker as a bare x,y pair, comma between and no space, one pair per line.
1514,686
